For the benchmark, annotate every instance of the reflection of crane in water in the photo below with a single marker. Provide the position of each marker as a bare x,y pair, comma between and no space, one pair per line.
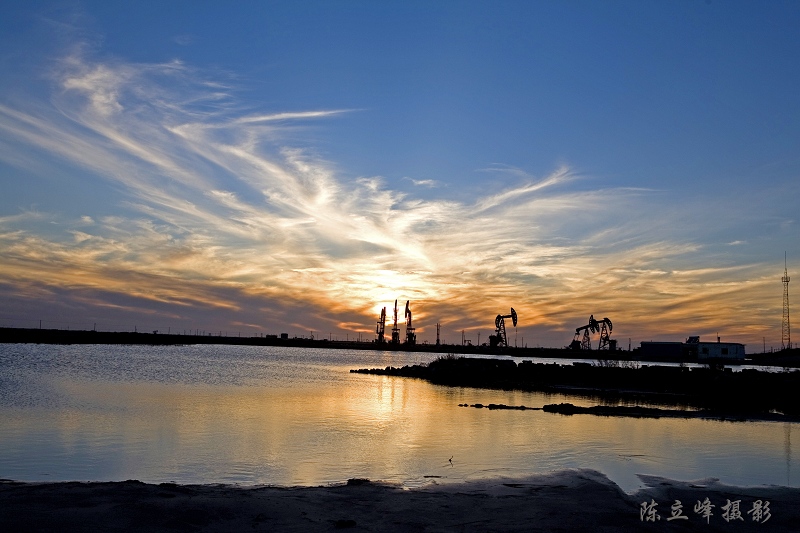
381,326
411,337
500,338
395,329
583,338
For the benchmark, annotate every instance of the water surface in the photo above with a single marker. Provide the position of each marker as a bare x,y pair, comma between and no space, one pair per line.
297,416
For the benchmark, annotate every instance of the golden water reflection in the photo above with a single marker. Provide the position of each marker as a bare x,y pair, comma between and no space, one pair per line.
382,428
319,431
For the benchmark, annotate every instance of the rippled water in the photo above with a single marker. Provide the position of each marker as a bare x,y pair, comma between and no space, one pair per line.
296,416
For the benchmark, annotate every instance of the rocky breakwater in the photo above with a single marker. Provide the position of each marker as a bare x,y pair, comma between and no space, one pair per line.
744,393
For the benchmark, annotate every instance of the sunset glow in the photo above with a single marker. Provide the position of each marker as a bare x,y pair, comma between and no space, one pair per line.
180,188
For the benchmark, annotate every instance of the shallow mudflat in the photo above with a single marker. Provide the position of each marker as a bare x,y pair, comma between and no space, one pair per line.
578,500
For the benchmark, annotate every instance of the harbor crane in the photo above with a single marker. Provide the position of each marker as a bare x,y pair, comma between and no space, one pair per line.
381,326
411,337
500,338
395,329
583,339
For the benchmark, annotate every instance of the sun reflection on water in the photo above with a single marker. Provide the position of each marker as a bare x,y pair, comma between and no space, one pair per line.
303,419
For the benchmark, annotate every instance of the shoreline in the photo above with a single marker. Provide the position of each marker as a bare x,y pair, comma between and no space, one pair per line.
9,335
573,500
721,392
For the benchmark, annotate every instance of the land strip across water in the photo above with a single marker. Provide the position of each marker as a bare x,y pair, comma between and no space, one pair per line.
746,395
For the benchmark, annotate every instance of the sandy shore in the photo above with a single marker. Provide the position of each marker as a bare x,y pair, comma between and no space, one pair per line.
581,500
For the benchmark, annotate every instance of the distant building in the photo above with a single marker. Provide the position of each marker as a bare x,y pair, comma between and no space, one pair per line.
719,350
663,351
691,350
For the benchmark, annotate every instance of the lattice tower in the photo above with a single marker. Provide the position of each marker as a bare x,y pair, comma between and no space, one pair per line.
786,334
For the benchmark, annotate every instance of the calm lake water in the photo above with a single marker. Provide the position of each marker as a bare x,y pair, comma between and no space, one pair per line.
296,416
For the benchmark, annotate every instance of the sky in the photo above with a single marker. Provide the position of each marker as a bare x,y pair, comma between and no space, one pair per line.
262,167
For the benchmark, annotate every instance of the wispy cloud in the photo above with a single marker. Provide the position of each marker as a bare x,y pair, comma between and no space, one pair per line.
184,39
424,183
231,217
276,117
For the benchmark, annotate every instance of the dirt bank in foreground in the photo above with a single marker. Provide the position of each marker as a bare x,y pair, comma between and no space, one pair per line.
581,500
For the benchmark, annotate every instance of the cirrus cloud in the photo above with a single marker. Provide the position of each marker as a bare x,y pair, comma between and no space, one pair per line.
232,223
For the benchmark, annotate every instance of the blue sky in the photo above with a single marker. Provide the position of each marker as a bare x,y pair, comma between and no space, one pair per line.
277,166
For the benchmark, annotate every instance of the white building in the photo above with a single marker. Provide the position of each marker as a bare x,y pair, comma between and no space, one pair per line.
719,350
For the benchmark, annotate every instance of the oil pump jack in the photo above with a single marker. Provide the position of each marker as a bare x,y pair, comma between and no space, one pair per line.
411,337
605,331
500,338
584,342
395,329
381,326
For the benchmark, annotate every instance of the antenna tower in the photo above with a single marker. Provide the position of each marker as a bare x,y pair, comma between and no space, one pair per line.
786,334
